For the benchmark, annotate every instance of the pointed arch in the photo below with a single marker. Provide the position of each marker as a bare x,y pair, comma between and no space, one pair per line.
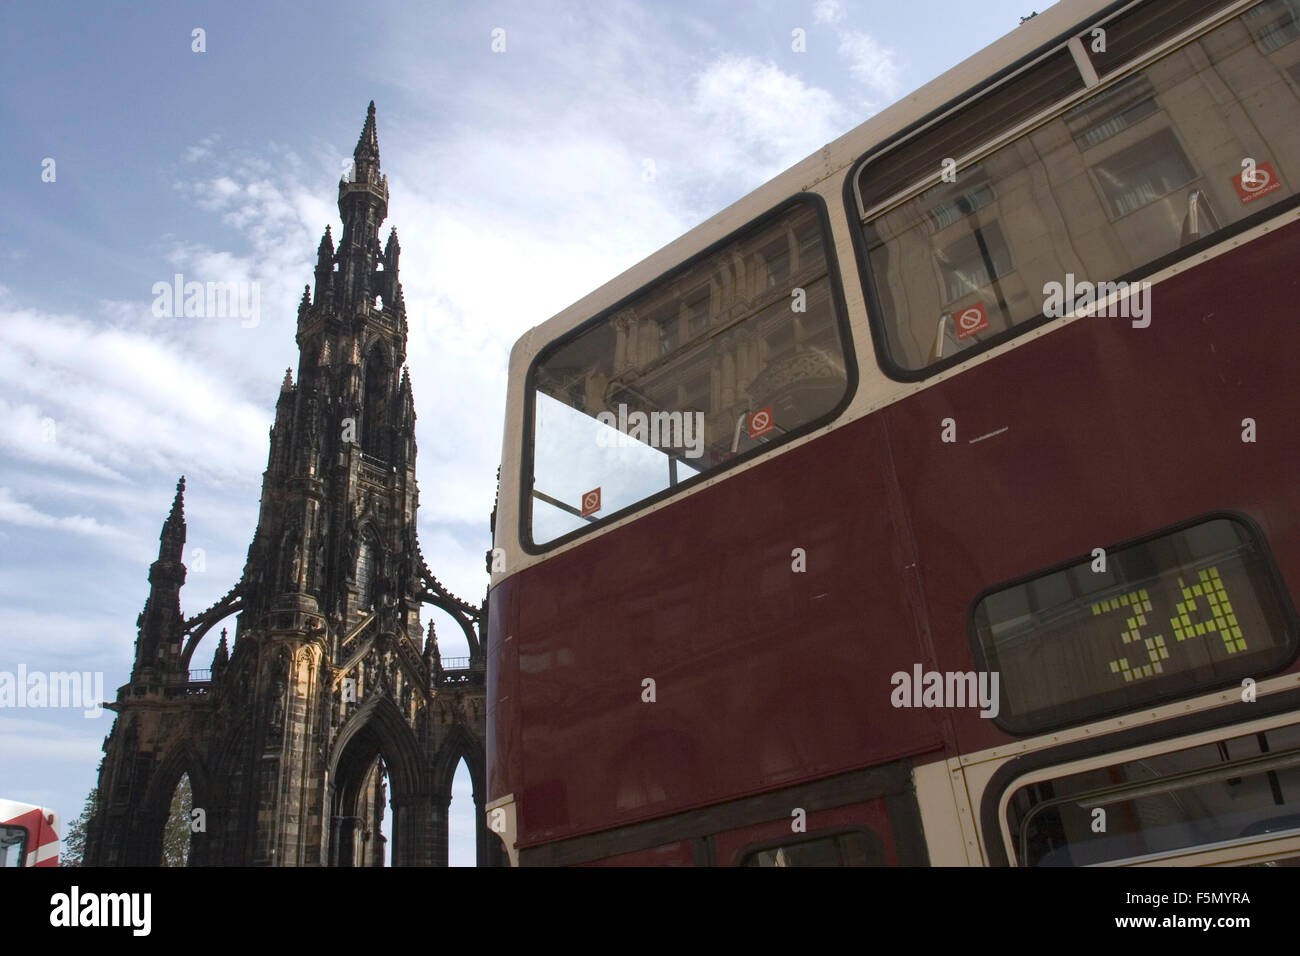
459,744
469,618
377,731
199,625
379,724
182,759
458,617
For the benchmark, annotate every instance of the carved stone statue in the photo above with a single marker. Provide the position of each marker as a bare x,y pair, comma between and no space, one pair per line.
354,547
318,570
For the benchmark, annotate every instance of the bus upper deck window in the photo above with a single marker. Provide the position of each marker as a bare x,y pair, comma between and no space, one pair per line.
740,349
1184,150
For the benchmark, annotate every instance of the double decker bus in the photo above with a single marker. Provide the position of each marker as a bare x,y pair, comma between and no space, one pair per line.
937,502
29,835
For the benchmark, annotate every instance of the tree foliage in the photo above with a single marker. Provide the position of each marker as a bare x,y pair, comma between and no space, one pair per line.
176,833
74,839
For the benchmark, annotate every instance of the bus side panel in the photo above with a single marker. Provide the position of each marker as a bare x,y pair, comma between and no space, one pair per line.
504,760
680,853
1100,432
684,659
47,853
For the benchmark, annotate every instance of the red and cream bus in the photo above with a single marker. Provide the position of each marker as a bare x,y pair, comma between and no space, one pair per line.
29,835
937,503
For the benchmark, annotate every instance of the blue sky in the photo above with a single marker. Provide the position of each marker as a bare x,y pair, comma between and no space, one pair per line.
520,180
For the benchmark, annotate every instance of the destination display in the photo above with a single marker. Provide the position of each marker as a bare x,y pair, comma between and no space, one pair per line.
1166,617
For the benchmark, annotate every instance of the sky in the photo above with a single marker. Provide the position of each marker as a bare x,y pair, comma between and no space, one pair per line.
534,151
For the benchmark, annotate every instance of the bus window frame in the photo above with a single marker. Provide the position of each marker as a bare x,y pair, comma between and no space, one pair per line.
1168,784
1007,778
853,207
843,324
22,845
1248,851
1291,622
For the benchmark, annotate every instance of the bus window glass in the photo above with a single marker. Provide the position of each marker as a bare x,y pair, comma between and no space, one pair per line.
1237,789
13,844
857,848
1142,28
1186,148
728,356
1176,614
1274,23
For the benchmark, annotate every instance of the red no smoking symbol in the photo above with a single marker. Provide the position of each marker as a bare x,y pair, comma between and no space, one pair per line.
591,502
972,320
1260,181
760,423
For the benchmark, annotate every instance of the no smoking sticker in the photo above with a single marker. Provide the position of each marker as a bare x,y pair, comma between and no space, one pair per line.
591,502
972,320
760,423
1264,180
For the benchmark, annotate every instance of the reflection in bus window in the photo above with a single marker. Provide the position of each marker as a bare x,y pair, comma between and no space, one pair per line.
730,354
1132,173
1122,106
974,261
1274,23
1142,173
1237,789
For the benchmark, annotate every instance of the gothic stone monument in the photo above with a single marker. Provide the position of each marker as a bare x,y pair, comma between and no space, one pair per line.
330,686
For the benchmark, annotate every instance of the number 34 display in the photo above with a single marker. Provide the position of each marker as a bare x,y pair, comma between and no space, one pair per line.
1205,608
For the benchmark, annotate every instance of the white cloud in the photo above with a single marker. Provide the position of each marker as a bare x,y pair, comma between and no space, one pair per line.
201,150
123,398
27,432
17,512
828,11
873,65
761,119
